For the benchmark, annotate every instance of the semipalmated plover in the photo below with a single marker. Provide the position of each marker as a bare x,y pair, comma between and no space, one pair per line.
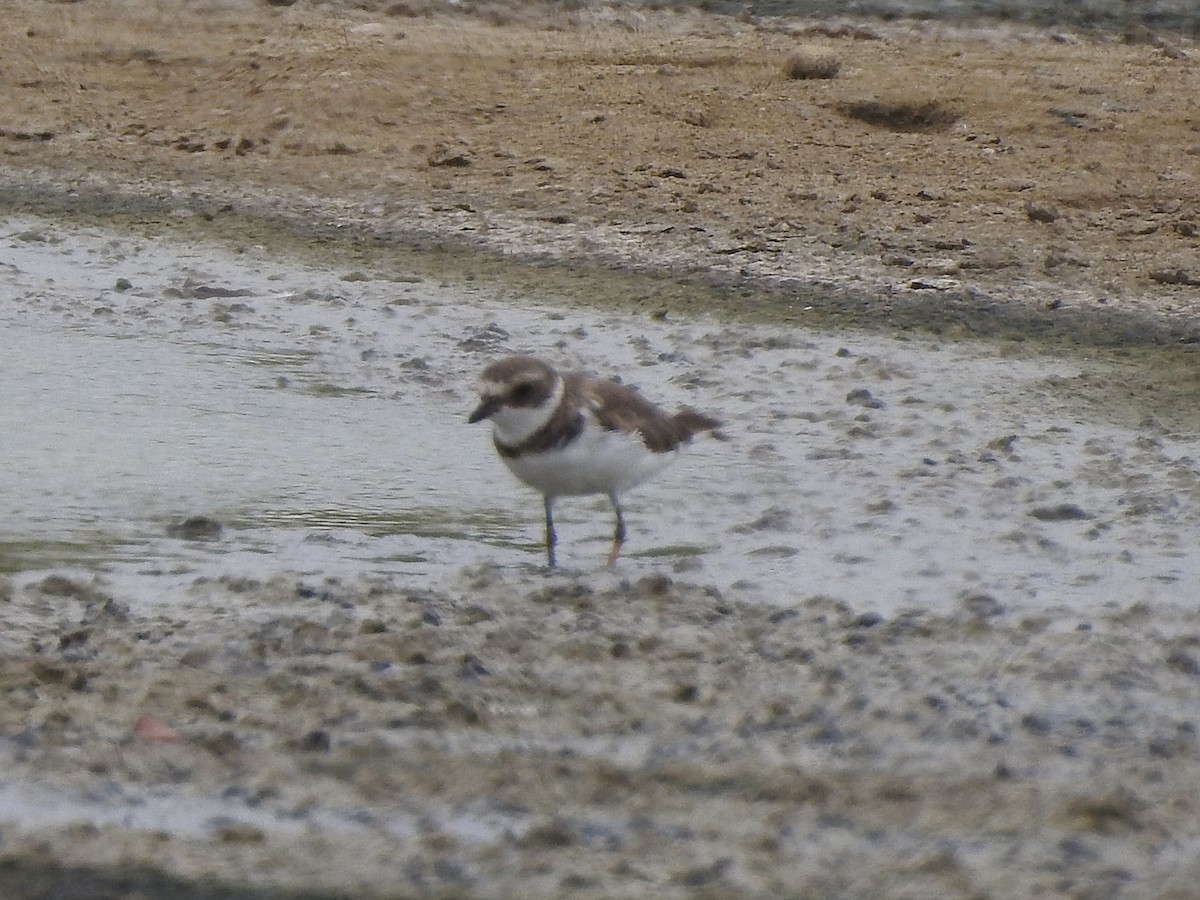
574,434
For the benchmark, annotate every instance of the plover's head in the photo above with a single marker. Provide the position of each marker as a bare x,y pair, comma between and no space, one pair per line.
519,394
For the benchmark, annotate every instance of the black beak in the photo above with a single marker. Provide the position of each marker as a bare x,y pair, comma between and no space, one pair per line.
484,410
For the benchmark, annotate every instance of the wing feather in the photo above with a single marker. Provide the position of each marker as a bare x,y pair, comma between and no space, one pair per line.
619,407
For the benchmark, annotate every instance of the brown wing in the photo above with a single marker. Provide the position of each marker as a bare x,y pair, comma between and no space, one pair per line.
618,407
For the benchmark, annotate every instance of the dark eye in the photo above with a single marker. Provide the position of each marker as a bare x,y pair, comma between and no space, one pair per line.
523,392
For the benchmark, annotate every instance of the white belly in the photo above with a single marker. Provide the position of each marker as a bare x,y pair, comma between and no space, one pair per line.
597,462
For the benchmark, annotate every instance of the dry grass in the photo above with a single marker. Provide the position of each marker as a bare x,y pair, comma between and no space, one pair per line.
804,66
901,115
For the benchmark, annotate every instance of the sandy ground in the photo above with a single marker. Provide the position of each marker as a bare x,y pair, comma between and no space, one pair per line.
938,167
650,739
575,736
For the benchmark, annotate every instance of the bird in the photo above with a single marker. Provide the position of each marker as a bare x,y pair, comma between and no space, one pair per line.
569,434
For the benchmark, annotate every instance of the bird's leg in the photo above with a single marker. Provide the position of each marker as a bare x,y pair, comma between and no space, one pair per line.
551,537
618,532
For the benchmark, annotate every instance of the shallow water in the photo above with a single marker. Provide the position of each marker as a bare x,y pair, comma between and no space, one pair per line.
142,432
320,417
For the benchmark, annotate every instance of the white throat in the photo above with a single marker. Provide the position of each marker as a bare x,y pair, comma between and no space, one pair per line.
513,424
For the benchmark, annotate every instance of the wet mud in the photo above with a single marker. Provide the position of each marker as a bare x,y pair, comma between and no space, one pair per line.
924,627
649,737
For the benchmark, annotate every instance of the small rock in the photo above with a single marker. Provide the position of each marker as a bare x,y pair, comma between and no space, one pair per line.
1060,512
447,156
932,284
239,833
1183,662
1116,812
488,338
198,291
195,528
863,397
61,586
1035,724
316,741
654,585
685,693
703,876
554,833
777,518
472,667
982,606
1038,213
1137,33
1173,276
37,134
1003,444
155,730
777,551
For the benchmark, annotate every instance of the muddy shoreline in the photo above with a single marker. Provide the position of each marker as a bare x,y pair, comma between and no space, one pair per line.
904,188
1158,349
329,232
591,742
596,734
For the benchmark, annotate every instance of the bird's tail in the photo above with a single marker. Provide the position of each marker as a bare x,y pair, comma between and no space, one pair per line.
689,422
